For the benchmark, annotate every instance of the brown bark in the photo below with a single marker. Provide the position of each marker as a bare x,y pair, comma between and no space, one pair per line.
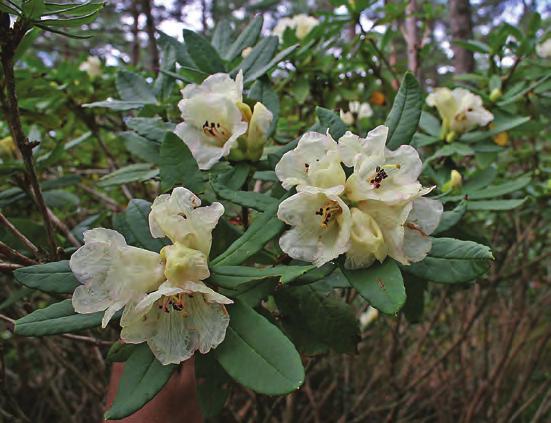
461,29
134,10
150,29
412,38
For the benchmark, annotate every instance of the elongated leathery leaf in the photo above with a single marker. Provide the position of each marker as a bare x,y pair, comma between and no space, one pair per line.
54,319
452,261
405,113
258,355
53,277
381,285
264,228
142,379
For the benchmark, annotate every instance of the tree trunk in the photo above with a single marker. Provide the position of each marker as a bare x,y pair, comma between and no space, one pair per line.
412,38
150,28
461,29
136,47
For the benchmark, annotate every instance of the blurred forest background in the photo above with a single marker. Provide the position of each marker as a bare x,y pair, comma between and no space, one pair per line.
468,353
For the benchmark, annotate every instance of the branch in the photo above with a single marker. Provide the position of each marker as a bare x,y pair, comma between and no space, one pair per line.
12,114
32,248
14,255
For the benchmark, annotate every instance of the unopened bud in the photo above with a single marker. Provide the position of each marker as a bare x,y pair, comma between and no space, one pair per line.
451,136
501,139
495,95
454,183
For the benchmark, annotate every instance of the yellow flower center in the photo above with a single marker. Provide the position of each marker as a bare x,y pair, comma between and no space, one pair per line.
173,303
217,131
328,212
380,174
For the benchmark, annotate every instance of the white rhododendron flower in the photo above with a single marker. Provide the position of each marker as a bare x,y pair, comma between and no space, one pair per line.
176,320
212,118
315,161
302,24
92,66
379,173
179,217
112,273
400,231
320,222
544,49
376,213
251,144
356,110
362,110
460,110
347,117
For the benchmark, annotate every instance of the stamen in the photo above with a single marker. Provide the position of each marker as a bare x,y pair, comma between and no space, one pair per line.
328,212
380,174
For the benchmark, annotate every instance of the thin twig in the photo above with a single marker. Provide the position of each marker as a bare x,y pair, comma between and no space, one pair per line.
32,248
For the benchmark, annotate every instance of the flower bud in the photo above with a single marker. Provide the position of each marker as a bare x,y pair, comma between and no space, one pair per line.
184,264
7,147
454,183
451,136
251,145
377,98
495,95
501,139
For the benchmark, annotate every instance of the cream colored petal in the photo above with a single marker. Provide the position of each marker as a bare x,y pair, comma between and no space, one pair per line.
210,295
445,102
311,153
366,241
410,164
111,272
173,341
365,111
184,264
206,153
391,220
426,214
346,117
209,321
309,239
219,84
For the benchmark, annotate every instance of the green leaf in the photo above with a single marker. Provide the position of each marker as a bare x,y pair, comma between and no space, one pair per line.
33,9
256,72
452,261
246,38
221,38
141,147
254,200
70,22
15,297
330,120
116,105
264,227
381,285
501,189
154,129
119,352
27,41
495,204
177,165
325,317
450,218
53,277
258,355
260,55
415,301
133,223
430,124
143,377
500,126
138,172
405,113
473,45
231,277
55,319
202,53
133,88
212,381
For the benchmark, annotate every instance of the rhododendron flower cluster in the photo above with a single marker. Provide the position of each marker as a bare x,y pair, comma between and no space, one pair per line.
164,301
378,211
